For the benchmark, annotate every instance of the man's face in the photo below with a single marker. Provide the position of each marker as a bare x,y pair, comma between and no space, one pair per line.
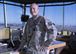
34,9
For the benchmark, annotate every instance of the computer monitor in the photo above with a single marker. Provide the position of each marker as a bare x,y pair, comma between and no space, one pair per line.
4,33
65,33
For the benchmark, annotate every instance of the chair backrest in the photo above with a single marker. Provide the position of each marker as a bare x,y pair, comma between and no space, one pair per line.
15,35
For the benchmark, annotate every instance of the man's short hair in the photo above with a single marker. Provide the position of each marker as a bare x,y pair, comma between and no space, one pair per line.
33,4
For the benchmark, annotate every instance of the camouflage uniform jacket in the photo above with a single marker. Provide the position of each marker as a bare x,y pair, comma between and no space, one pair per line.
35,33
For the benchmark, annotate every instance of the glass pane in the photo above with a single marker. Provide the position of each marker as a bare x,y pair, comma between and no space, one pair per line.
54,14
70,17
1,16
13,15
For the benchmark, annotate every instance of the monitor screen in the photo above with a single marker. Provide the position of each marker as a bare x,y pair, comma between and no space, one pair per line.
4,33
65,33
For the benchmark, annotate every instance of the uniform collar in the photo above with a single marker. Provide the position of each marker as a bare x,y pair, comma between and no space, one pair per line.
35,17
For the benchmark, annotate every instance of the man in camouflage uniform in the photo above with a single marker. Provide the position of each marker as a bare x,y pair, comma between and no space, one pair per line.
37,28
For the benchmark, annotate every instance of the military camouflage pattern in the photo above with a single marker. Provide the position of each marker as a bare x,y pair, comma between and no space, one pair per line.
35,32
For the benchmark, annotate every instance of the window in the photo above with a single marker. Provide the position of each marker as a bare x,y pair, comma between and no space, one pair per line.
13,15
1,16
54,14
70,15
